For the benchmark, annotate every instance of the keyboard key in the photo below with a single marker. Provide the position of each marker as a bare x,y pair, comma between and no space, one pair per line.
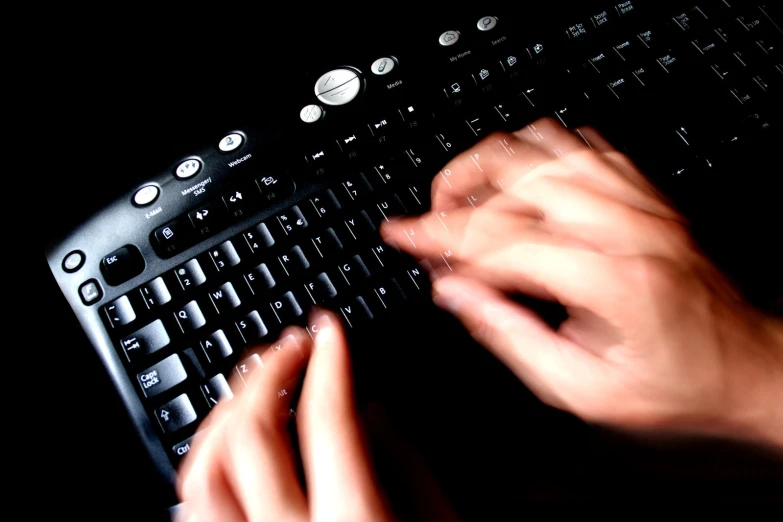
275,188
119,312
190,275
357,187
321,289
155,293
389,207
246,367
691,20
327,243
162,377
325,204
389,294
577,31
417,199
354,270
356,312
189,317
286,309
384,255
122,265
384,173
417,279
260,279
446,143
352,142
383,128
252,328
207,220
176,414
360,226
237,202
145,341
601,63
485,76
648,38
601,19
182,448
259,238
224,255
292,221
625,9
192,363
669,61
294,262
623,87
216,346
478,125
173,237
225,298
216,389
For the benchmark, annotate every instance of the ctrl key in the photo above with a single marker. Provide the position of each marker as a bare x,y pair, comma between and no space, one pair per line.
176,414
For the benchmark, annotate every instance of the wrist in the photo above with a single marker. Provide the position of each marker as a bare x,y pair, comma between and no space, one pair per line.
756,412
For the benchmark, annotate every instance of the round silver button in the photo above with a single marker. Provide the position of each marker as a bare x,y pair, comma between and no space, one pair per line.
230,142
487,23
188,168
311,113
73,261
338,87
382,66
448,38
146,195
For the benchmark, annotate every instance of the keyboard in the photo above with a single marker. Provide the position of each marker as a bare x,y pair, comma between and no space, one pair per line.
176,279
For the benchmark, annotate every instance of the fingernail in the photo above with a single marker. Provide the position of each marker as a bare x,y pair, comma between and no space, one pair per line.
450,302
317,325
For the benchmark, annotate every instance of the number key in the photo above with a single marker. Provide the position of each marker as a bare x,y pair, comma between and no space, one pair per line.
259,238
357,187
190,275
325,204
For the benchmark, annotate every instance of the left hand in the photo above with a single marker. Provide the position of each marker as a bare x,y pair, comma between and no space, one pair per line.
243,465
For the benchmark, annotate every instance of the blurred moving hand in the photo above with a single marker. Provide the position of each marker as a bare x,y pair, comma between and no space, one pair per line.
243,465
656,337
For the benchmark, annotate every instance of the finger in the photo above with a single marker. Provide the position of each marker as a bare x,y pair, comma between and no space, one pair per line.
547,363
483,170
261,464
203,485
340,480
551,137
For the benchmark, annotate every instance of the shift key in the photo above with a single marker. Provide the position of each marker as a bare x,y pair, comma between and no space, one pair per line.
142,342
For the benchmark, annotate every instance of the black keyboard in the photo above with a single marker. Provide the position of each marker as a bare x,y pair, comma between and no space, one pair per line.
173,281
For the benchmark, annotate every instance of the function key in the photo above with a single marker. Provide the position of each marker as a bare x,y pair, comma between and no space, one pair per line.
206,219
350,143
484,76
73,261
155,293
382,127
190,317
145,341
231,142
172,237
190,275
188,168
275,188
319,155
224,255
292,221
176,414
237,202
121,265
119,312
414,115
162,377
216,389
90,292
259,238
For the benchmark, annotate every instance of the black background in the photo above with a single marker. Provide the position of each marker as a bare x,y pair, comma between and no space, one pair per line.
121,98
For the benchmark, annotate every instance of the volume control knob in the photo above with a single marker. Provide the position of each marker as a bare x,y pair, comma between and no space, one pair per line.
338,87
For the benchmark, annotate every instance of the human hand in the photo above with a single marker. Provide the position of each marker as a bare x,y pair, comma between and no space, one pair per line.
656,337
243,466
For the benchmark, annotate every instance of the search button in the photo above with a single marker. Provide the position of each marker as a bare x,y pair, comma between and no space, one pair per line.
487,23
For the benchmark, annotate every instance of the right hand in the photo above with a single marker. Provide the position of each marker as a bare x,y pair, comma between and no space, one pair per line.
656,336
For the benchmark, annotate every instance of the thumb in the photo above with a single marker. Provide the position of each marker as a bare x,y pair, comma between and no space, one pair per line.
550,365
